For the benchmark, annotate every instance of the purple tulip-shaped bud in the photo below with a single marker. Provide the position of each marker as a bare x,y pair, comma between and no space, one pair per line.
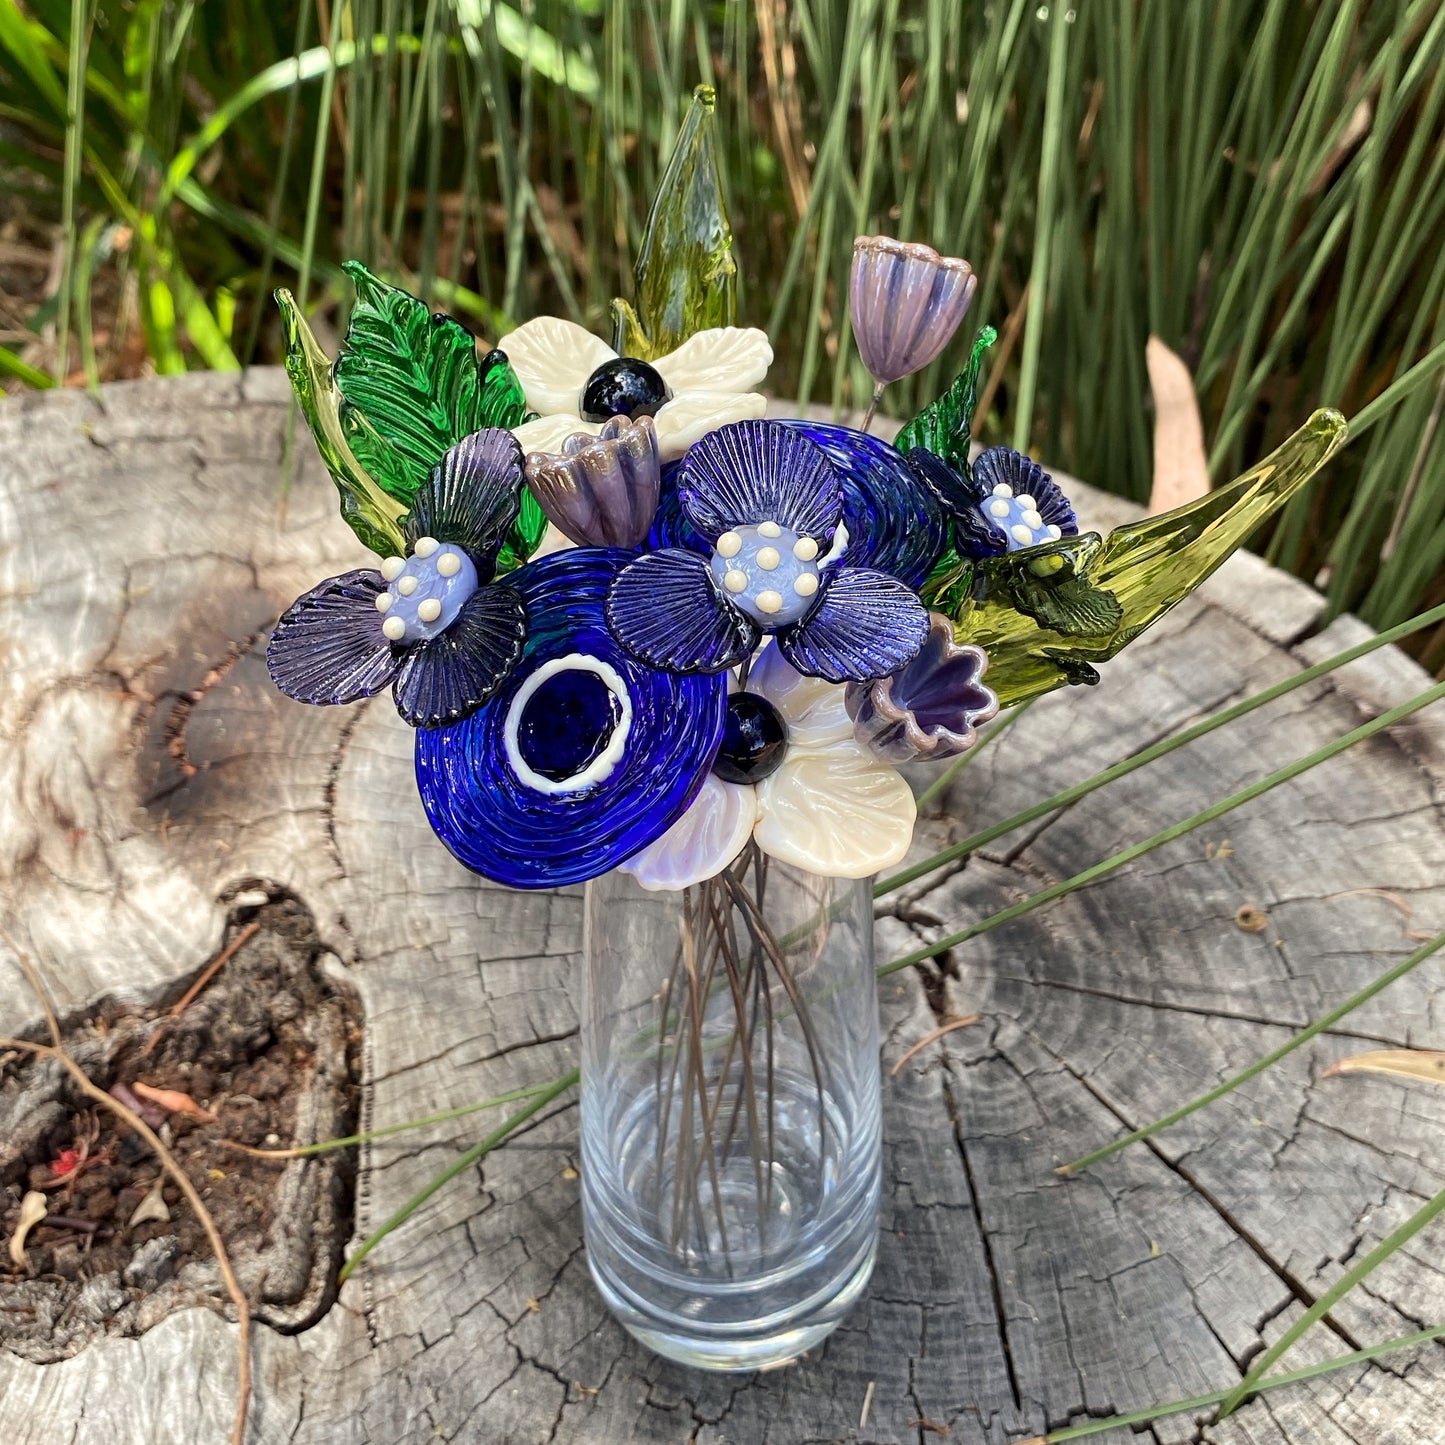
931,707
906,302
601,490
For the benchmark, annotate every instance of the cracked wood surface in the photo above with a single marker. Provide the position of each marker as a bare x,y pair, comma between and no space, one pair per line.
149,772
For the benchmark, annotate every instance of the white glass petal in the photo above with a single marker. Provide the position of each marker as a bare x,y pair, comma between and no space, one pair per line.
690,415
702,842
553,540
726,358
553,359
547,433
814,710
837,811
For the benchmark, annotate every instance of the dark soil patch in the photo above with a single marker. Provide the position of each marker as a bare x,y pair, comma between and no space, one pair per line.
271,1048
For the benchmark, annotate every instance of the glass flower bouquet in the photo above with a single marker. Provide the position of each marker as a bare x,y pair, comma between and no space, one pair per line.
655,642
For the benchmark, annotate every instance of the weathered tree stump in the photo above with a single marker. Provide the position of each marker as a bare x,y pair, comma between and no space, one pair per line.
151,775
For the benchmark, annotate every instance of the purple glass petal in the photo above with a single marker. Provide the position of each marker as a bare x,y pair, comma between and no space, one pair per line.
895,524
1023,474
671,526
471,497
450,676
931,707
949,488
328,646
760,471
496,824
867,624
905,301
603,491
666,611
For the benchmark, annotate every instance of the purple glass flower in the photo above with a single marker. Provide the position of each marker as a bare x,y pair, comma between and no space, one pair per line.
602,491
1006,501
931,707
906,301
433,625
768,503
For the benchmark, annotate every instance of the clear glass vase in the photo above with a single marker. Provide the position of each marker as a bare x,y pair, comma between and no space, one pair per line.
731,1135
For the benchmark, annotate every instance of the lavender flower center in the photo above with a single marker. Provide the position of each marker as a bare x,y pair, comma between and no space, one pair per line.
1017,518
769,571
425,592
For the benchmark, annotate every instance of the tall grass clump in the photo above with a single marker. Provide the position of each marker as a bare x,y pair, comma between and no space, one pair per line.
1260,183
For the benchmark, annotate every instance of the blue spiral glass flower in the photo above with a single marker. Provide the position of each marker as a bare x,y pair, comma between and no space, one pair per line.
584,756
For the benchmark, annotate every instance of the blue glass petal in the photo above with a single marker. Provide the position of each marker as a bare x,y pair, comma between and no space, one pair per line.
1024,475
760,471
472,496
671,527
966,497
866,625
666,610
449,677
328,646
518,835
895,524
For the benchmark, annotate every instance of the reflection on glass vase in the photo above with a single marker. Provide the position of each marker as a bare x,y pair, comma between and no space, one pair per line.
731,1133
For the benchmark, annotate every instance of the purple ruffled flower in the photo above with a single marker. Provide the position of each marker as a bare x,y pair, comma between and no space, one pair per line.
432,625
930,708
768,502
906,301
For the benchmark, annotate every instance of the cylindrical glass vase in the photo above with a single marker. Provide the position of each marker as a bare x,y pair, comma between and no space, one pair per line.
731,1133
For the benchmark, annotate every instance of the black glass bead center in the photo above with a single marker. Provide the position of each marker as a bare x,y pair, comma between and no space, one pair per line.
624,386
755,740
567,723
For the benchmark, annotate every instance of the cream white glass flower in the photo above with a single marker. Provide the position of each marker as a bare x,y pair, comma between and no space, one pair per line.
576,382
832,807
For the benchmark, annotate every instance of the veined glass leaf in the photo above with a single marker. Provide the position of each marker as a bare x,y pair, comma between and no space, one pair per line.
368,510
945,427
1146,568
686,276
418,382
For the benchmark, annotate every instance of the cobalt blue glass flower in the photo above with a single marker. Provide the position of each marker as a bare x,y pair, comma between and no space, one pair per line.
765,503
432,625
584,756
1006,501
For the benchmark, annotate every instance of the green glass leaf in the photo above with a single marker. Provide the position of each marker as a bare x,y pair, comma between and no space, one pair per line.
367,509
949,586
945,427
417,381
1050,583
686,276
1035,635
525,537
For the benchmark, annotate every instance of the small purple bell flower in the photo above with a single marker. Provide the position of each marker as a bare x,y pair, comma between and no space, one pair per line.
906,302
601,491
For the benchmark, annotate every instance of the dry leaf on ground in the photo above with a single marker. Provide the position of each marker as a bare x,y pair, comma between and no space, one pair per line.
1181,473
1428,1064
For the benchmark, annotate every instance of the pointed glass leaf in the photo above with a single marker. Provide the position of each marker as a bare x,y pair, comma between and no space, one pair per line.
374,516
945,427
417,381
686,276
1147,567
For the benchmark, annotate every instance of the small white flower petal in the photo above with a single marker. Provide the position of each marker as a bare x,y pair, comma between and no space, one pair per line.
547,433
812,708
725,358
702,842
837,811
690,415
553,540
553,359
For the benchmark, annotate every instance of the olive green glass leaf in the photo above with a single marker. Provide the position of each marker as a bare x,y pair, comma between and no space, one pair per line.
368,510
418,382
1034,611
945,427
686,276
